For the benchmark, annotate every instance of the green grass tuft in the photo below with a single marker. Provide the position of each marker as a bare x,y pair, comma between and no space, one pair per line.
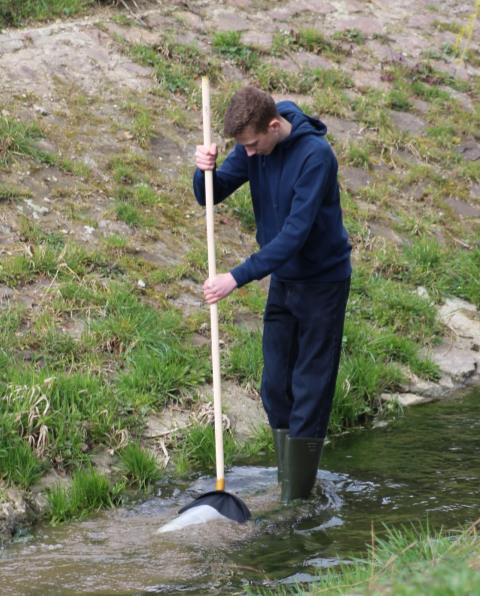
240,203
244,361
18,464
196,449
140,466
229,45
89,493
15,13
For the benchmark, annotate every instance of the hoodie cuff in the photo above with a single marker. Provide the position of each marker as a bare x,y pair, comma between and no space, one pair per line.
241,275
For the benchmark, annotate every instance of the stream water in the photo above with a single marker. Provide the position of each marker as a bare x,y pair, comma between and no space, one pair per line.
424,467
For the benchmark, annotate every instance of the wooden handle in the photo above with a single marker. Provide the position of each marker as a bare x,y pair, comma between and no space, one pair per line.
217,394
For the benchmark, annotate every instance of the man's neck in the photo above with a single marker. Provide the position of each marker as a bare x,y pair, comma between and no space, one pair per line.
285,128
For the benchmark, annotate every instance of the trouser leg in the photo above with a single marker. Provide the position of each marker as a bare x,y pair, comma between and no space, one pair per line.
320,312
279,352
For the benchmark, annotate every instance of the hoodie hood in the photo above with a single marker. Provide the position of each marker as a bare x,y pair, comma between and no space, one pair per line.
301,123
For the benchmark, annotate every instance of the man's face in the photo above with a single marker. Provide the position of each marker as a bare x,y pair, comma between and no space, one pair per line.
259,143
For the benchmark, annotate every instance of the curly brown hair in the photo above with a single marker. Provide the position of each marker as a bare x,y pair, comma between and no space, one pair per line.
249,107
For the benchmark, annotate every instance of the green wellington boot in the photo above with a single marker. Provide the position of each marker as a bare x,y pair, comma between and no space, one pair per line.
300,467
279,437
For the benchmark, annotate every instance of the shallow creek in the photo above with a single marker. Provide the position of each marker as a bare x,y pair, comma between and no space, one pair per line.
425,466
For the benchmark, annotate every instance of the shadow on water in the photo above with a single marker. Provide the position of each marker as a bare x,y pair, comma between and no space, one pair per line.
425,467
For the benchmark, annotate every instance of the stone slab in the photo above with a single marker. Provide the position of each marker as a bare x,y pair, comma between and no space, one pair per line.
462,318
462,208
407,122
355,178
405,399
460,364
470,150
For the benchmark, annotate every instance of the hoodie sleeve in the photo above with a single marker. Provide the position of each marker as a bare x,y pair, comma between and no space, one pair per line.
226,179
309,192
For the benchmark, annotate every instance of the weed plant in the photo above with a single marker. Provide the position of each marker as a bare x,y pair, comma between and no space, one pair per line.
176,65
11,193
196,449
244,360
309,39
142,124
408,560
140,467
229,45
441,269
18,464
89,493
331,100
17,138
15,13
312,40
240,204
259,445
354,36
359,155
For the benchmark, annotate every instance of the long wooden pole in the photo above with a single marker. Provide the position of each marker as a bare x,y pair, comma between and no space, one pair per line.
212,271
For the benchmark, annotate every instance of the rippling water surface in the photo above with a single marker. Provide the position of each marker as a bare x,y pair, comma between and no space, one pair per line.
426,466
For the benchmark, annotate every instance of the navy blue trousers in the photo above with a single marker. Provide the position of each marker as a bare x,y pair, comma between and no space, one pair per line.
302,340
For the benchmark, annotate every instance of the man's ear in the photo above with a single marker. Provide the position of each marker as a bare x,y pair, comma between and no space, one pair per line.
274,124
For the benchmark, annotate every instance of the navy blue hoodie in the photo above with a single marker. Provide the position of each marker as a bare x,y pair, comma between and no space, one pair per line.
296,202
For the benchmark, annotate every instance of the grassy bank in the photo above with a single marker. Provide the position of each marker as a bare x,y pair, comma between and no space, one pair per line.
406,562
15,14
96,338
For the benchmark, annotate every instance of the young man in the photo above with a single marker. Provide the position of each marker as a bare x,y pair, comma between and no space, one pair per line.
292,172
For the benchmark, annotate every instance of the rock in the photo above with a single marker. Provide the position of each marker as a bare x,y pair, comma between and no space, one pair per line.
342,129
243,408
190,19
470,150
475,191
378,229
405,399
258,39
421,21
435,390
462,318
239,3
462,208
355,178
368,25
420,105
407,122
423,292
6,294
311,60
40,110
460,364
37,209
462,98
228,20
366,79
15,512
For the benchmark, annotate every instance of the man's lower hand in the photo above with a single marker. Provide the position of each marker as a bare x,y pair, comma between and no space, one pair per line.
218,287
